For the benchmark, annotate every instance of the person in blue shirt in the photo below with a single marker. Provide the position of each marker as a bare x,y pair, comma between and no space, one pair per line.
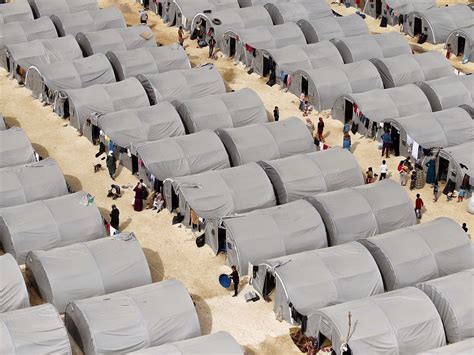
386,143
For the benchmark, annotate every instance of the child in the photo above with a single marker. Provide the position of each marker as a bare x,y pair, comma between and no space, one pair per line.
418,206
413,180
435,191
461,193
369,176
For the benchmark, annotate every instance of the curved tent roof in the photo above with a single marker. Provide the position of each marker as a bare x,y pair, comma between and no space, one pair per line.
441,21
31,182
384,45
14,293
391,103
449,92
294,11
420,253
458,155
183,155
19,32
272,232
43,51
76,74
220,193
216,343
133,319
115,39
328,83
305,57
409,68
406,6
233,109
438,129
148,60
308,174
33,330
48,224
327,28
345,272
187,9
15,148
401,321
17,11
364,211
452,295
266,141
183,84
453,40
131,127
86,21
105,98
89,269
53,7
461,347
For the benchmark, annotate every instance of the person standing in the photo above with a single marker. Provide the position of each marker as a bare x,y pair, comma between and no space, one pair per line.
276,114
418,206
115,218
181,36
138,200
386,144
346,141
461,194
321,129
435,191
143,17
369,176
464,227
310,126
235,279
111,162
448,51
212,44
383,170
302,98
431,172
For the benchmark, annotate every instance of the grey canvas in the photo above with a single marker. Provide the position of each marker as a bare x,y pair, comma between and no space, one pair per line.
34,330
364,211
219,193
467,34
457,155
87,21
105,98
15,148
3,125
449,92
436,129
308,281
31,182
48,224
131,127
46,51
283,12
409,68
304,175
391,103
88,269
183,155
391,9
148,60
53,7
225,110
46,80
271,232
398,322
420,253
183,84
326,84
266,141
216,343
452,295
14,294
17,11
145,316
20,32
327,28
384,45
115,39
439,22
461,348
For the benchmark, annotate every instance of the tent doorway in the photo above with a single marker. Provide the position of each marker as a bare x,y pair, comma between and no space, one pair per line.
461,45
268,285
417,26
348,109
304,85
378,8
160,9
232,46
443,167
95,134
267,65
134,164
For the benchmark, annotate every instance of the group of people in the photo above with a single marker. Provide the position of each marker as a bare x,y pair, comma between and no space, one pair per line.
201,35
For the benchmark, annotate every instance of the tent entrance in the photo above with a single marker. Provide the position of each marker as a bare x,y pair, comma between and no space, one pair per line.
134,164
348,109
267,65
268,285
232,44
461,45
378,8
304,85
443,167
417,26
395,134
160,9
95,134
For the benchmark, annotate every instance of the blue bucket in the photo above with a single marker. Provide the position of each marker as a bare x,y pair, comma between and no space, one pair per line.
224,280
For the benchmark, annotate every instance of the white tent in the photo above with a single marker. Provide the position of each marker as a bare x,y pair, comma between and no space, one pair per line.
14,294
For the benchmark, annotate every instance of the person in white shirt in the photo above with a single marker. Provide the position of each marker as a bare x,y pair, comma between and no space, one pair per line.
383,170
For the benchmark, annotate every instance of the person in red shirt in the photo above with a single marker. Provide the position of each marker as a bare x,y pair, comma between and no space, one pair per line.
418,206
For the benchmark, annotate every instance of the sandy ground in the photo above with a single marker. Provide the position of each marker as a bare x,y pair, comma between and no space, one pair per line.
170,250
